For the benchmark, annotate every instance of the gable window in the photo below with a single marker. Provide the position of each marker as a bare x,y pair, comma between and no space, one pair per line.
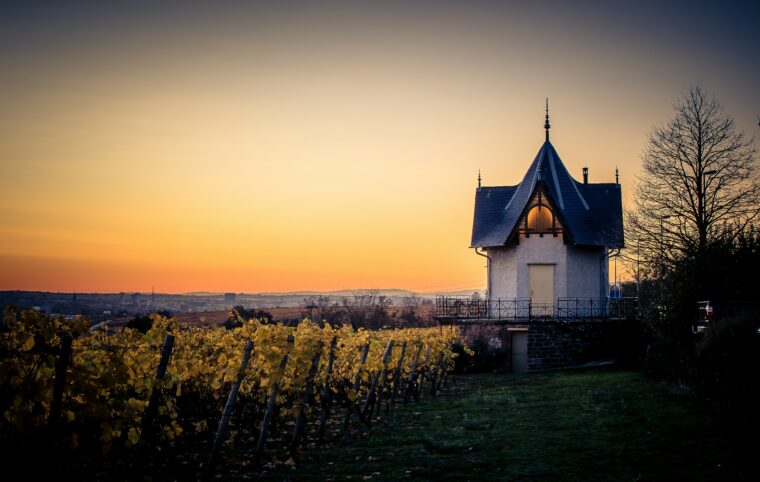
541,218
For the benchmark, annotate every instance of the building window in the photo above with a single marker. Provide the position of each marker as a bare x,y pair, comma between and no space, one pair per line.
540,218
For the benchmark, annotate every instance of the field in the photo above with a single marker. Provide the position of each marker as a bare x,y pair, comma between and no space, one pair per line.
216,318
386,407
602,424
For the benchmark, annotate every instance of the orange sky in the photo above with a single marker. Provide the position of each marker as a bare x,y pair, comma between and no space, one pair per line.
263,149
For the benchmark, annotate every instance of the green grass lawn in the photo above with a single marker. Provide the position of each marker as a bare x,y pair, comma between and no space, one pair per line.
602,424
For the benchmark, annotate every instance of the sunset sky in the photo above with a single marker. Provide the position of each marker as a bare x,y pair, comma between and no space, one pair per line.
279,146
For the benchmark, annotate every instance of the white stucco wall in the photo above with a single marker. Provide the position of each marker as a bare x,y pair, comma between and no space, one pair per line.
583,272
576,272
502,273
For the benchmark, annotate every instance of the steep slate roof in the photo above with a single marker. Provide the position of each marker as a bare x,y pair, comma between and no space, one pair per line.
592,214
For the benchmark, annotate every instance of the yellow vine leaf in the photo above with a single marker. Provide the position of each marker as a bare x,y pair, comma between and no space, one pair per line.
28,344
133,436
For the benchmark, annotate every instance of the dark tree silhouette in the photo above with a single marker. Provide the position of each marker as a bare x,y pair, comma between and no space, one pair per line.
698,180
321,309
239,313
367,308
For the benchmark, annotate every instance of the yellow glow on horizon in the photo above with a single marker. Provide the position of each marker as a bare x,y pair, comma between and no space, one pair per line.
301,154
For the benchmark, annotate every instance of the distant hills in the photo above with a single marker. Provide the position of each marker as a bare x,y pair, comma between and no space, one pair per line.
98,306
390,292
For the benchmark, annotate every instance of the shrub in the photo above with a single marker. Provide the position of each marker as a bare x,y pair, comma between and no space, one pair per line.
727,369
670,361
630,340
482,356
236,316
141,323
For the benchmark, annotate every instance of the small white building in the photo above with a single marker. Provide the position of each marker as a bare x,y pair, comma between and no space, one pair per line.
547,239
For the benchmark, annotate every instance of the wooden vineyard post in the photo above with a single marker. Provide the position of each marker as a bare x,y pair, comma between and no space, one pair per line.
273,421
271,404
436,372
422,375
326,391
152,408
371,393
397,375
60,382
225,420
444,374
383,379
301,419
412,375
355,388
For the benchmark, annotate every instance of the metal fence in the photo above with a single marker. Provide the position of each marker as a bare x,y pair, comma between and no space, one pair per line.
459,307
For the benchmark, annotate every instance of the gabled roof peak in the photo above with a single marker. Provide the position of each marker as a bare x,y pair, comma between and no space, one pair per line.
589,218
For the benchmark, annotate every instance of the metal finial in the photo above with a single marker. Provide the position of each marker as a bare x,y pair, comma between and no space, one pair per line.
547,126
617,176
478,178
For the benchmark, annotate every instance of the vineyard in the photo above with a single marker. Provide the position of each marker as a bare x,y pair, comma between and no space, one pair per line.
195,396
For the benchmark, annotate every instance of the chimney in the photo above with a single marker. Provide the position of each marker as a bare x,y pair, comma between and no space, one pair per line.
585,175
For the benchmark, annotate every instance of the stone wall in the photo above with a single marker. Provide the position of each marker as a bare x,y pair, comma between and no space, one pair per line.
553,344
494,334
497,338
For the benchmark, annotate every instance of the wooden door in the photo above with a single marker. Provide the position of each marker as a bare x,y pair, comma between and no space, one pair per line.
542,284
519,351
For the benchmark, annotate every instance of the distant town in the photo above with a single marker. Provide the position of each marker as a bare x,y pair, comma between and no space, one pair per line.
105,306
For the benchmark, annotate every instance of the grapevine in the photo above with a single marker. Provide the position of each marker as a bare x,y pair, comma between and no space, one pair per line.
110,376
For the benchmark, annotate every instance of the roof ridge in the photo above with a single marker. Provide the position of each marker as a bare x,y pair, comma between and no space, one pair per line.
583,200
537,162
574,182
554,175
597,184
498,210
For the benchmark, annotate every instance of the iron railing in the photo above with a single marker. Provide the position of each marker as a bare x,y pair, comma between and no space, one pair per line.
460,307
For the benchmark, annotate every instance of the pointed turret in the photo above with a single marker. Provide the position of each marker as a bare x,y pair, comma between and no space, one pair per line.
590,213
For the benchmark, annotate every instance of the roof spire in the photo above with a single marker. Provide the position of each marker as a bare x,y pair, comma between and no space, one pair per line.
617,176
547,126
478,178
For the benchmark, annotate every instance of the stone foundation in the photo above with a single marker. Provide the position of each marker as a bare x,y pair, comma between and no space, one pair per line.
551,343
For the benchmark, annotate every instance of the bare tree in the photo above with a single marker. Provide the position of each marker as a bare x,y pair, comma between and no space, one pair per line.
698,179
412,302
410,309
320,309
367,308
